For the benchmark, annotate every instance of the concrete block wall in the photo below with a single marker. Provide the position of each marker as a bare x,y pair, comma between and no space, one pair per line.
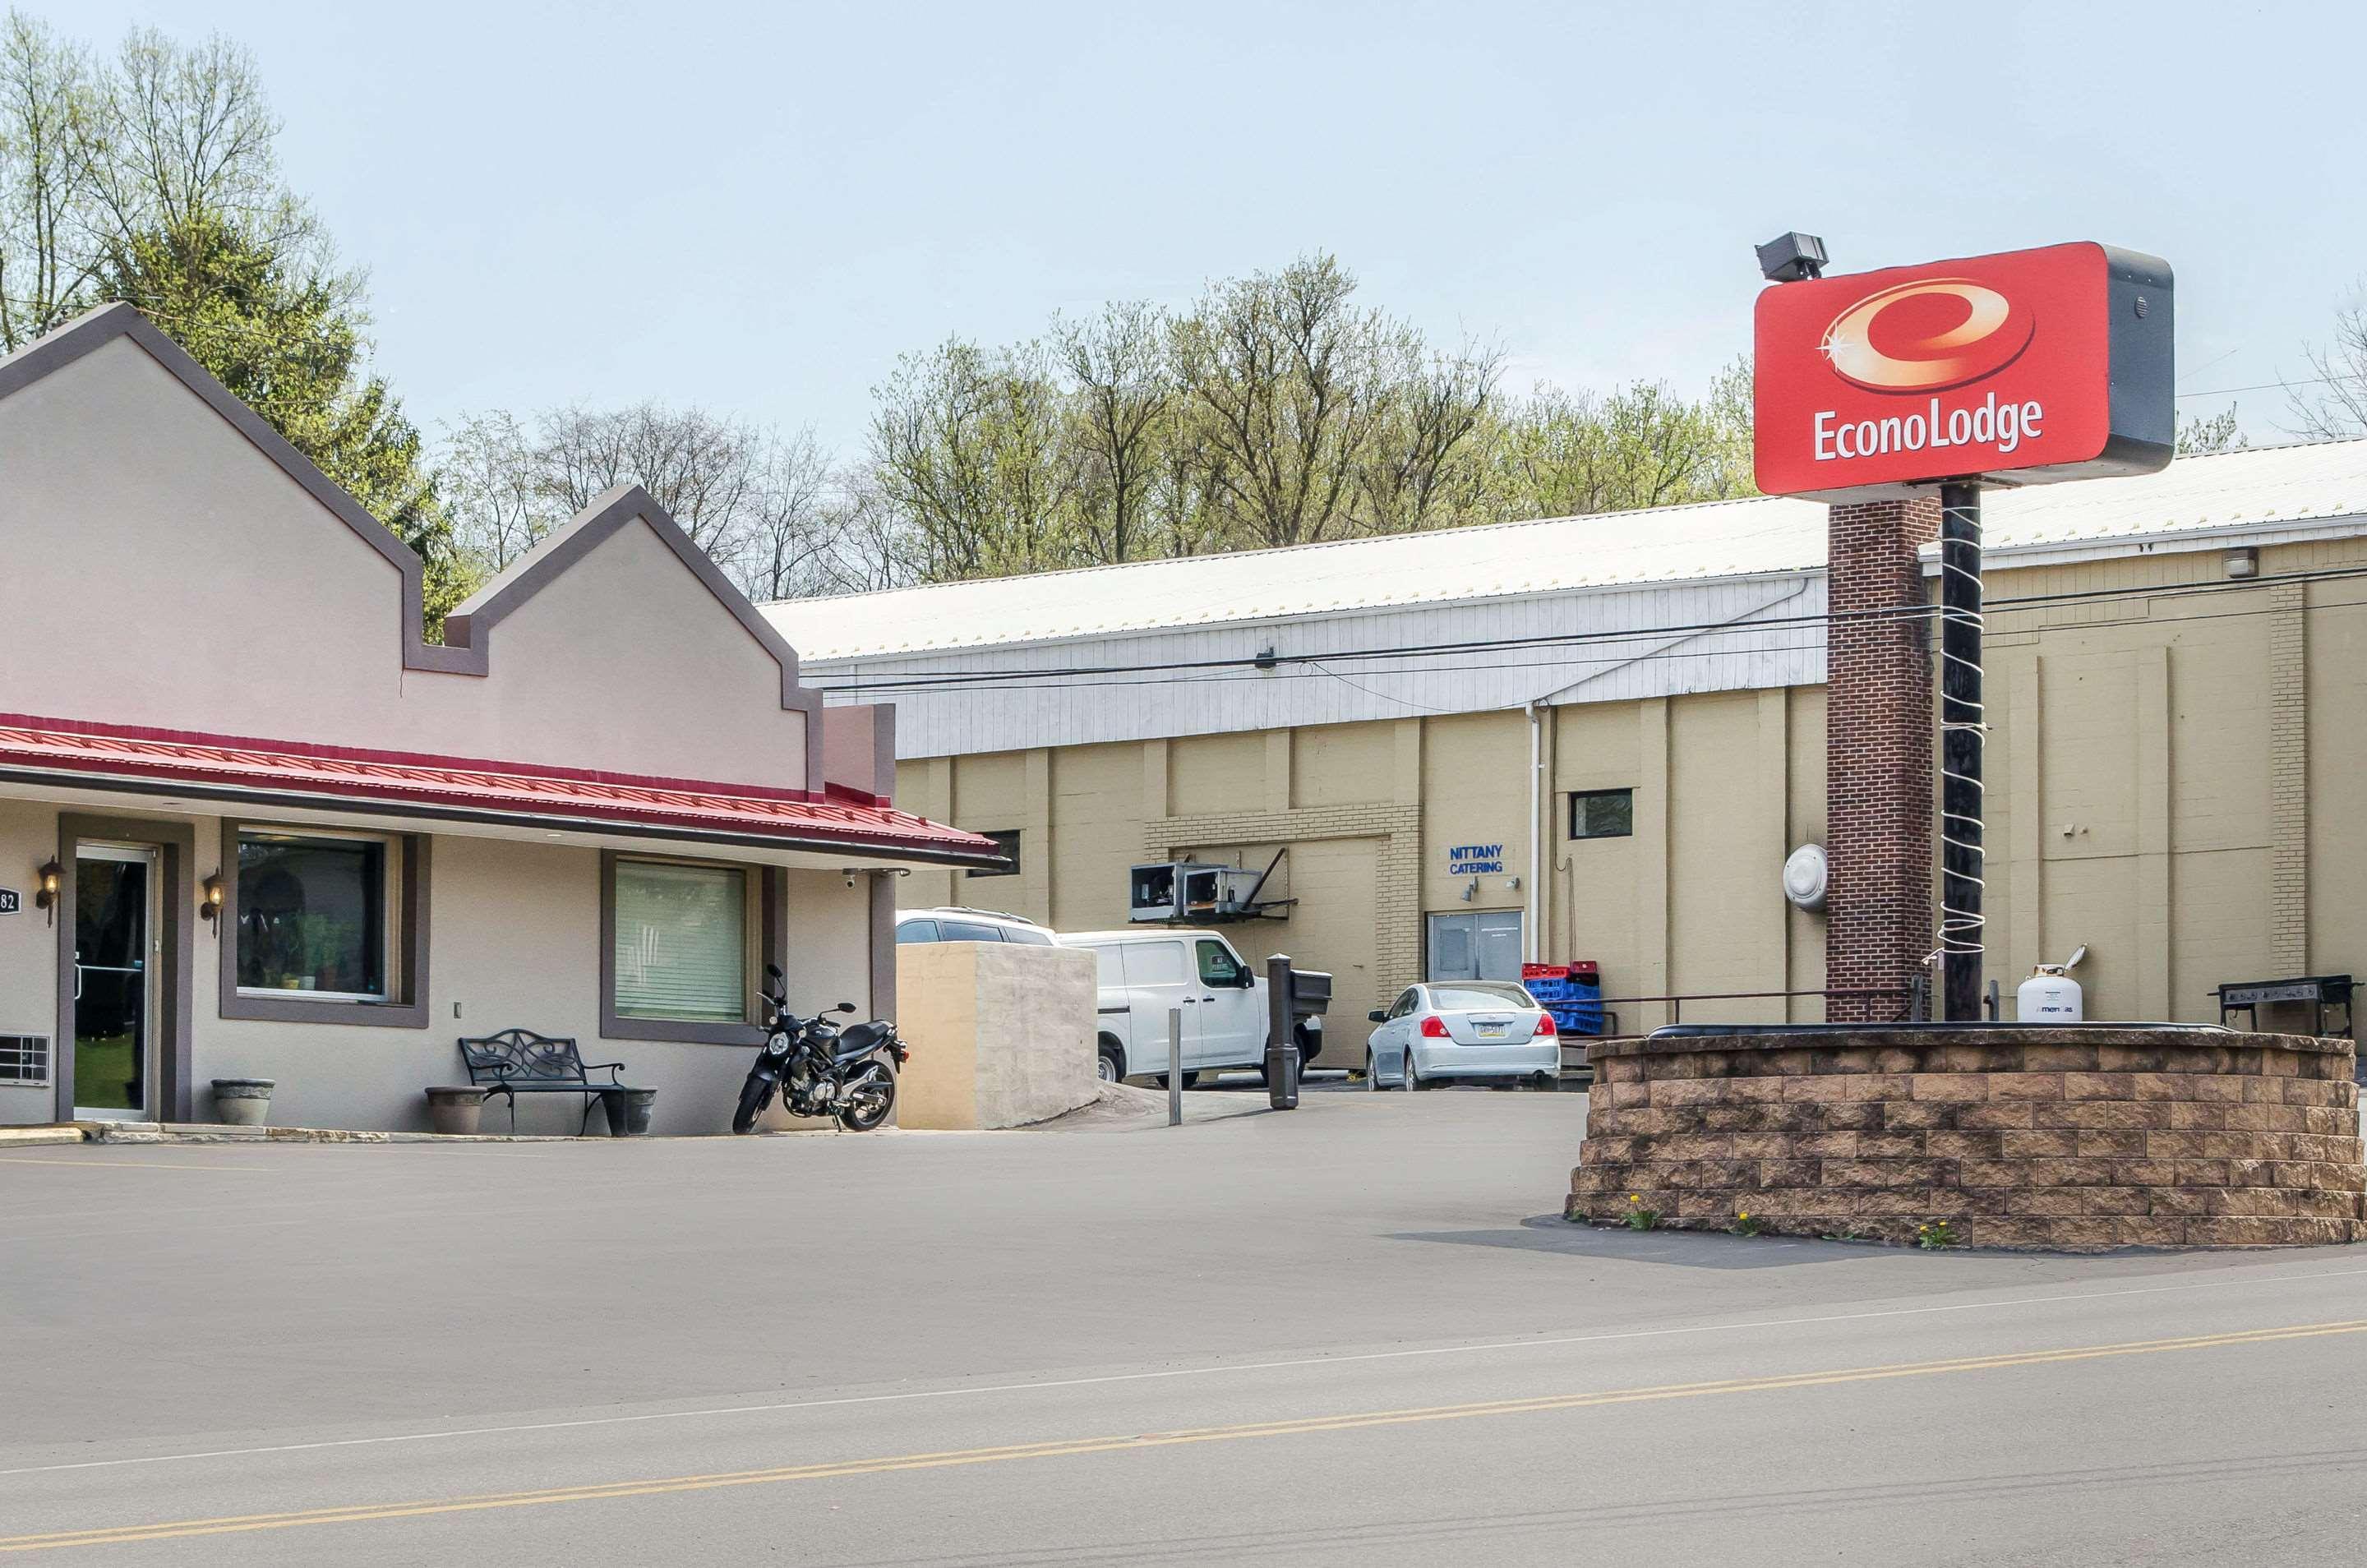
1001,1034
2068,1139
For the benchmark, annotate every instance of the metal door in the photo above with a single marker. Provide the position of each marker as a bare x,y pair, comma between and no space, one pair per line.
1482,945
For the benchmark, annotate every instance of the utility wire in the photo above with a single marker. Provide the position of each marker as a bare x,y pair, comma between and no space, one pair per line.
1259,678
921,682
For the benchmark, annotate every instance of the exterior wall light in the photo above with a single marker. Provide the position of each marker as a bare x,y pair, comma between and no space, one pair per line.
209,901
2243,563
45,890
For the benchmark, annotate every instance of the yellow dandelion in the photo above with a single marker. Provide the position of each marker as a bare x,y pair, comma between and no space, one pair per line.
1632,1198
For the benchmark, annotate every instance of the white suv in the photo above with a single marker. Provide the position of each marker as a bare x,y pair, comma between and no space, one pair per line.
955,923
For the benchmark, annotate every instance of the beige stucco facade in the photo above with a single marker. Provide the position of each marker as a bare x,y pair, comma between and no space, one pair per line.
2176,780
243,645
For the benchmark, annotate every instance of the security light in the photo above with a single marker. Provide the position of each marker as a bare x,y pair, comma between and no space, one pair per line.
1788,258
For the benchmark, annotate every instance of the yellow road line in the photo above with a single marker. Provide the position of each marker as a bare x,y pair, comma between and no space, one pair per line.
1068,1448
129,1165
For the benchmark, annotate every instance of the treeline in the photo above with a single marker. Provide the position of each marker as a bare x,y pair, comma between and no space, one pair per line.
1275,410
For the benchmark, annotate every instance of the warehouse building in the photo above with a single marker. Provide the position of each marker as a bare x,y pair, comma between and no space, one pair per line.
1601,737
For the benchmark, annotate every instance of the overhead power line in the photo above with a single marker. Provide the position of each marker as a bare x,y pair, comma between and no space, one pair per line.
1267,666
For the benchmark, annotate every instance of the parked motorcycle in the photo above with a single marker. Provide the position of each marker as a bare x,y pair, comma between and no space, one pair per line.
820,1069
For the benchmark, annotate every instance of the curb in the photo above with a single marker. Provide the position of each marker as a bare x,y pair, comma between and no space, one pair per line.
13,1137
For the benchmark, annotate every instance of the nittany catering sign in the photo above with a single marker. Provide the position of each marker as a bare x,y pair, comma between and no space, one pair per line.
2029,365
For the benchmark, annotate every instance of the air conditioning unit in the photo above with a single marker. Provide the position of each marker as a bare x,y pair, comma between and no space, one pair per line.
1186,890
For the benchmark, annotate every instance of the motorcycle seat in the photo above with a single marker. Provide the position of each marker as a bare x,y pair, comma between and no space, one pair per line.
861,1039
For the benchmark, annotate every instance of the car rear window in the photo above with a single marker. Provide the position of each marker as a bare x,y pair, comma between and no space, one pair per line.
916,931
1035,936
1478,995
967,931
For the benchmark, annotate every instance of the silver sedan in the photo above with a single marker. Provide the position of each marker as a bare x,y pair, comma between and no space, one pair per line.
1461,1030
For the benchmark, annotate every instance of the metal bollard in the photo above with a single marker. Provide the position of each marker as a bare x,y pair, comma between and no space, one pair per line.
1174,1067
1281,1045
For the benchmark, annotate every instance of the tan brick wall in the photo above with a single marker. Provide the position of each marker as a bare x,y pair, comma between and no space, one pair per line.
1395,905
2066,1139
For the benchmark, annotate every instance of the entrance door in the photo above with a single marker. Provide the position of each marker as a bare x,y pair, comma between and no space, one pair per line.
117,957
1482,945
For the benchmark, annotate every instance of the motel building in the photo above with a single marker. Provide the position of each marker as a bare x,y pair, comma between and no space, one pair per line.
252,825
1600,739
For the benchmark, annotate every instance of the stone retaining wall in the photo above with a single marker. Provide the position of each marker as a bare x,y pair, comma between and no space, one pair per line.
2074,1139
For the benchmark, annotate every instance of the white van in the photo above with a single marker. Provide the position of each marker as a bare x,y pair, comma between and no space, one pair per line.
1145,975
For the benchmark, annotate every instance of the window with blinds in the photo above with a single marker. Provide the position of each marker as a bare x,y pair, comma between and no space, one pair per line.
681,941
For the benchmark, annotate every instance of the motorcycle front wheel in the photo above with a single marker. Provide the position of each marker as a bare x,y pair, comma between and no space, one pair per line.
754,1095
869,1098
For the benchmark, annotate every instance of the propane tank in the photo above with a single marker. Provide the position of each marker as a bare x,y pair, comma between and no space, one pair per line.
2049,996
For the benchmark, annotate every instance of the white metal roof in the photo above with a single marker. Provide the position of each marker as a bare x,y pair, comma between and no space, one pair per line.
2242,491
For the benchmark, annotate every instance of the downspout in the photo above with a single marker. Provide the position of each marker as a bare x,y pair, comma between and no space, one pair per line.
1530,947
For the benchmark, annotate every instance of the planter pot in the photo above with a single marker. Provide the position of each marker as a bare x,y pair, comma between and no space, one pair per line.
457,1109
629,1112
242,1103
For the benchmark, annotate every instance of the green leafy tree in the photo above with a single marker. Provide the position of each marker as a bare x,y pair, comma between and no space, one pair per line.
2199,436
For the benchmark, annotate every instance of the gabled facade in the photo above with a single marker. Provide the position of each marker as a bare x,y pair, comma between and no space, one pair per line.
289,838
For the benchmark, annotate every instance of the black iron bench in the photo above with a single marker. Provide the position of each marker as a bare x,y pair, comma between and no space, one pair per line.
519,1061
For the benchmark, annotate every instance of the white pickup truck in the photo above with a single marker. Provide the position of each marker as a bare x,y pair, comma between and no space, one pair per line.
1148,972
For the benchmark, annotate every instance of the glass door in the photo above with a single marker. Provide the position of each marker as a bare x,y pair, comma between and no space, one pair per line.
116,954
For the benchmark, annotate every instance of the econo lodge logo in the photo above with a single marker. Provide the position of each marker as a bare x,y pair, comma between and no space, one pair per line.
1928,335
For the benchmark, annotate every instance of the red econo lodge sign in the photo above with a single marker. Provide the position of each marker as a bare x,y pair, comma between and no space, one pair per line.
2027,366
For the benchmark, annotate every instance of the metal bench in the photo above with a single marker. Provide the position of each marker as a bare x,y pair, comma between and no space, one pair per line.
519,1061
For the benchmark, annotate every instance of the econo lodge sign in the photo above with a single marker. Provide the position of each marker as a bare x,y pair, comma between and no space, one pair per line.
2024,367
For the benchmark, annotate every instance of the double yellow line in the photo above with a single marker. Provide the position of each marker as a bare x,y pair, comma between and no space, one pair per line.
363,1512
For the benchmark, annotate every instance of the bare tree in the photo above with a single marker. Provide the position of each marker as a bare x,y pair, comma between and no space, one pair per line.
499,511
707,470
2335,405
1122,397
51,245
793,535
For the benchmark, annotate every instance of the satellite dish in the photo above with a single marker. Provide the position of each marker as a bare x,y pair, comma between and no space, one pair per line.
1804,878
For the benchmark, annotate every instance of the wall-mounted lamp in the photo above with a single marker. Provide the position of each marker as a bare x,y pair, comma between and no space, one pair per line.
50,878
211,896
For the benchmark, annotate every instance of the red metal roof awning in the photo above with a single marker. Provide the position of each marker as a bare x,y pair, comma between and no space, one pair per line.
227,767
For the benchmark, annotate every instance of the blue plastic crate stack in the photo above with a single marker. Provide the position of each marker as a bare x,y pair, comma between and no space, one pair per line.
1575,1004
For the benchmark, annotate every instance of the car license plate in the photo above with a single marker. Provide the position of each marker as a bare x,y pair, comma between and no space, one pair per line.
1492,1031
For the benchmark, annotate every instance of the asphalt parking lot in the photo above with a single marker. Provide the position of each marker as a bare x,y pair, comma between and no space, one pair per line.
1355,1333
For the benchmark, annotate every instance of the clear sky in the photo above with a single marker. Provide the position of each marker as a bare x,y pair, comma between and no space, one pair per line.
757,206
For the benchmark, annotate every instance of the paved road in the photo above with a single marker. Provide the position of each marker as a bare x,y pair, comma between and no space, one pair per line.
1352,1335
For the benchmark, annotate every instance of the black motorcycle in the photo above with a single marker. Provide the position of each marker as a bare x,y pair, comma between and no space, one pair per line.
820,1069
